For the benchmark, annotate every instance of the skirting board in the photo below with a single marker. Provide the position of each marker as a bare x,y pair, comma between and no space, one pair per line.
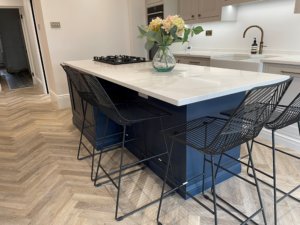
62,101
289,137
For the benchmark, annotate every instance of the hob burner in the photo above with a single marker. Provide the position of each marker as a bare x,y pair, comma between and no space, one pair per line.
119,59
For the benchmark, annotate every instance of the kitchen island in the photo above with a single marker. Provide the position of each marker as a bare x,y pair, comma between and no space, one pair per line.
188,92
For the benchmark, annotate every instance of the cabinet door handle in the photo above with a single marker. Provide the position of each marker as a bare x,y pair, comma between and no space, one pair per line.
155,13
289,72
193,16
199,15
191,62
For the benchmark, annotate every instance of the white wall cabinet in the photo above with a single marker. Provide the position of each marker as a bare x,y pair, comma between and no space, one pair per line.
297,6
170,7
198,61
209,8
196,11
188,9
232,2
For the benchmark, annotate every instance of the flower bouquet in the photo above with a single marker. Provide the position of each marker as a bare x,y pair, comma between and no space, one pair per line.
163,33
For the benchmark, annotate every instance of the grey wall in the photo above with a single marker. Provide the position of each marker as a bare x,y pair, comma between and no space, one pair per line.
15,56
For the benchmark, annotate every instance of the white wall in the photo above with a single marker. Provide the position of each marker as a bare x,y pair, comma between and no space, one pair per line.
276,17
87,29
137,17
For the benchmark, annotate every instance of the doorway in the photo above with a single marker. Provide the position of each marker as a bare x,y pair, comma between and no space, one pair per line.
15,70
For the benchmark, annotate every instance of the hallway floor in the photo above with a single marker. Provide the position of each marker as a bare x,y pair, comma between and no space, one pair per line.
42,182
15,81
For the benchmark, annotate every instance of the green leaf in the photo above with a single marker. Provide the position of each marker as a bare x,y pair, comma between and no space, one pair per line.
158,36
151,36
165,39
197,30
169,40
173,32
178,40
149,45
187,32
142,30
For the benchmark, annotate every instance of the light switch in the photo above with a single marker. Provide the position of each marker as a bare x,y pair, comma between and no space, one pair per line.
55,25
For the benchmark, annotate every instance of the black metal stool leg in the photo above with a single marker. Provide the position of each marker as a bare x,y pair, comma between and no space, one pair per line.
251,148
166,147
203,176
299,127
213,178
92,170
164,183
100,155
84,109
97,170
274,177
120,175
256,183
219,163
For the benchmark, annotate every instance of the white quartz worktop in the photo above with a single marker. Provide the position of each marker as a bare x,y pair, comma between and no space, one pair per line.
186,84
290,60
279,58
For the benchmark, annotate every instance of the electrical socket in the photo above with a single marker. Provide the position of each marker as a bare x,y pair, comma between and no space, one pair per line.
55,25
208,33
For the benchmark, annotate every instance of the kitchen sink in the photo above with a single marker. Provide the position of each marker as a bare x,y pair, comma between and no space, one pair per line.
240,61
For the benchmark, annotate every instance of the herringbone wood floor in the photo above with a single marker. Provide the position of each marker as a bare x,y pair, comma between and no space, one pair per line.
41,182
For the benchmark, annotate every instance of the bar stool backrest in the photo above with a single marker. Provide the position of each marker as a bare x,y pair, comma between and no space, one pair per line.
288,116
250,117
76,79
103,100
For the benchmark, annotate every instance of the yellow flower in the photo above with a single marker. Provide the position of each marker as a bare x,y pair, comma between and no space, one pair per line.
171,21
155,24
179,23
167,24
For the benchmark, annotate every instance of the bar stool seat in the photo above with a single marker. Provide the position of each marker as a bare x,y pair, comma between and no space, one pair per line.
201,134
88,97
284,116
136,111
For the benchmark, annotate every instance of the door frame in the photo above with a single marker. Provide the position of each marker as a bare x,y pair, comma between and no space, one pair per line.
33,63
27,42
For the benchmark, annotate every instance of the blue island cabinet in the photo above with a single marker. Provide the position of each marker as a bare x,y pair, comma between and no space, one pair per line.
186,162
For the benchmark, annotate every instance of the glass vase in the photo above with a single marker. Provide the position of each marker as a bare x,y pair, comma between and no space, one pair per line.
164,60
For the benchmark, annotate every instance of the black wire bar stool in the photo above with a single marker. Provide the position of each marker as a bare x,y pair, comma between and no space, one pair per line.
125,114
214,136
87,98
282,117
